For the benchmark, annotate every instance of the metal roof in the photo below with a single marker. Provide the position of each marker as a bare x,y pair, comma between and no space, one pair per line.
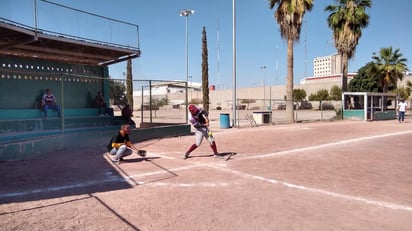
22,41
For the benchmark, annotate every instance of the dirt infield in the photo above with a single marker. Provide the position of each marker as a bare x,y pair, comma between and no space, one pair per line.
346,175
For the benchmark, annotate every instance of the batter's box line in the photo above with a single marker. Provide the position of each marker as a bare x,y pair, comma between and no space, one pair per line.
191,185
323,192
284,183
343,142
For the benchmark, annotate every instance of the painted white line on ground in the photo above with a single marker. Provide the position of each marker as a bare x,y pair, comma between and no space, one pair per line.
221,166
199,184
299,187
110,178
260,178
324,192
286,152
161,155
194,165
63,188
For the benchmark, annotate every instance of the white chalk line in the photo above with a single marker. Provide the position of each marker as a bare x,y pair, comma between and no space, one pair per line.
200,164
190,185
222,167
325,192
304,188
63,187
271,181
110,179
286,152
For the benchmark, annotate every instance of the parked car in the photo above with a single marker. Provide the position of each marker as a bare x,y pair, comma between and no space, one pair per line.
305,105
328,106
283,106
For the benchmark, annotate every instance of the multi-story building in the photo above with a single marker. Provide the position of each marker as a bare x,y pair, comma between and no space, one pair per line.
327,65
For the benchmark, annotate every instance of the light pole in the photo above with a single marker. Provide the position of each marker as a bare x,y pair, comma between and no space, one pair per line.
191,86
234,107
264,86
186,13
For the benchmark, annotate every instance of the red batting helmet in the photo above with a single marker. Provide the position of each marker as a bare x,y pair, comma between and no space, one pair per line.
193,109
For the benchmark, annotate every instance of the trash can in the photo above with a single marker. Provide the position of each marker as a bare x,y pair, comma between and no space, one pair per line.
224,120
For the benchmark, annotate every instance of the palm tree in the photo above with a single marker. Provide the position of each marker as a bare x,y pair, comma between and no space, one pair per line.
129,84
408,87
347,19
390,67
205,71
289,15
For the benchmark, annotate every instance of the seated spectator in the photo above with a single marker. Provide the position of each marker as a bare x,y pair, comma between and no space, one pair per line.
48,101
101,104
349,106
127,115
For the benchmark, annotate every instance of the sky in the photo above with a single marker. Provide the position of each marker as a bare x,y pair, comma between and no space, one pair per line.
260,50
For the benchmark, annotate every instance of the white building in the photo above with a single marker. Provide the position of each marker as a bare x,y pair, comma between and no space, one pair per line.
327,65
164,88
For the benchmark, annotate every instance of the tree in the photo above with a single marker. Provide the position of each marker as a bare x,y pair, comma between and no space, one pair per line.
117,90
408,87
321,95
129,84
335,93
205,71
195,101
365,80
347,19
299,95
402,92
156,103
289,15
390,67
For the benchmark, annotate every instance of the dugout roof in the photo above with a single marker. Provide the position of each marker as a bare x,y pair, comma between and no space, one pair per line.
23,41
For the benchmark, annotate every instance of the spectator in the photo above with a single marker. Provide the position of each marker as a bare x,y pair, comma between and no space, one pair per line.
127,115
49,102
101,104
402,107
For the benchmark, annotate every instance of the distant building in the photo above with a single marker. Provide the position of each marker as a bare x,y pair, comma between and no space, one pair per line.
327,65
328,79
169,87
327,70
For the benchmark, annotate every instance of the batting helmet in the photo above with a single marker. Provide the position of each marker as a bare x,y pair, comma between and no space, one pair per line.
193,109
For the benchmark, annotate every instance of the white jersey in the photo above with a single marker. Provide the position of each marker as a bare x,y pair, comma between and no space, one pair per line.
402,106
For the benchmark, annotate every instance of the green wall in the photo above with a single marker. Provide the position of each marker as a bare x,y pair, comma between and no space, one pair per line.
354,114
23,81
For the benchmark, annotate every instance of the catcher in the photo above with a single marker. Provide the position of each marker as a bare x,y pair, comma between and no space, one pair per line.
199,119
120,145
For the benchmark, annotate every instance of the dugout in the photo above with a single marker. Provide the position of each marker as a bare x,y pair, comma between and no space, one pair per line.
75,69
369,106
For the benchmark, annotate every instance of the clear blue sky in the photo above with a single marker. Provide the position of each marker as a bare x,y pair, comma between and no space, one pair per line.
162,36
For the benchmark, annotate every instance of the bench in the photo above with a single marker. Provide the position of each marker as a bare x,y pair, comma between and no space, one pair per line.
385,115
37,113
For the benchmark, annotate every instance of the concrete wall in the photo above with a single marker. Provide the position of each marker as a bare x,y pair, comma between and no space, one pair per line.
77,139
223,97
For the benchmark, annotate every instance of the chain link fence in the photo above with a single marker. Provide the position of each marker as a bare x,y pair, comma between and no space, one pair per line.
154,101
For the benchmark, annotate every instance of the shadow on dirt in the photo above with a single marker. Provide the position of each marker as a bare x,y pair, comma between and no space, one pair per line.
59,174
